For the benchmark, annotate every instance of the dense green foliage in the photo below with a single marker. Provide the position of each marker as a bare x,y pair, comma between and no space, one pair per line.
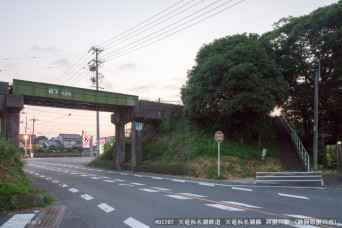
299,44
234,85
12,178
176,142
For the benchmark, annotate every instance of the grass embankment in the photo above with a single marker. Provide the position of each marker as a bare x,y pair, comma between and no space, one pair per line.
180,144
15,190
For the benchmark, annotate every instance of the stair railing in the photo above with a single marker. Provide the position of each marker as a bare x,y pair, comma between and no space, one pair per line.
303,154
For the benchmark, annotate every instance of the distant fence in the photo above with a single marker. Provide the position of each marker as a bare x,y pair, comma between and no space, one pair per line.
316,176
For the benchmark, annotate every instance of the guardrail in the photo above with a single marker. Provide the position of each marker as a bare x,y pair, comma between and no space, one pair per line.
303,154
315,176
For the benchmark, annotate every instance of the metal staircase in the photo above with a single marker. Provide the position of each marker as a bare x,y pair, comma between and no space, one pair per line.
303,154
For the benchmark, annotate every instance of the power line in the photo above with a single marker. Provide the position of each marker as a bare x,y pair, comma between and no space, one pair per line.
168,26
37,57
105,46
140,23
125,52
27,69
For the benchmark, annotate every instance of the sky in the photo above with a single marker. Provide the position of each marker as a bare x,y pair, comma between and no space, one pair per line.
148,47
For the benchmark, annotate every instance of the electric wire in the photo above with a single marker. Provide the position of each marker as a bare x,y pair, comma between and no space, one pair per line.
114,41
141,23
37,57
168,26
115,56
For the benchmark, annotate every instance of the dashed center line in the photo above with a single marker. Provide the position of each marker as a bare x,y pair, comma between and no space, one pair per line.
87,197
131,222
242,189
293,196
147,190
223,207
106,207
73,190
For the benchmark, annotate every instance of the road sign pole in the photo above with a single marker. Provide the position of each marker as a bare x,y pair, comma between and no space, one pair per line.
218,161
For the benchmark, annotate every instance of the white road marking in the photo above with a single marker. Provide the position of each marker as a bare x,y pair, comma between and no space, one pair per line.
118,180
147,190
36,174
242,189
293,196
137,184
193,195
95,178
161,189
106,207
126,185
63,185
18,221
87,197
74,173
109,181
131,222
55,181
124,174
224,207
157,178
177,180
84,175
48,178
178,197
31,172
42,176
138,175
104,177
241,204
73,190
206,184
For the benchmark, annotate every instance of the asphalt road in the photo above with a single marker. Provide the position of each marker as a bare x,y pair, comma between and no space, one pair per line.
88,197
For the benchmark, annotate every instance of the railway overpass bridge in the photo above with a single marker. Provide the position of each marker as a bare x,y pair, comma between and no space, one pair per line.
124,108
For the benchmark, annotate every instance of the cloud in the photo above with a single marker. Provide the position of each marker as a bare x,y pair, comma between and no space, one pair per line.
143,88
62,62
37,48
172,87
128,66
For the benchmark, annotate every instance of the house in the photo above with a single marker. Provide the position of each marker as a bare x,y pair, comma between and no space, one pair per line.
70,140
47,143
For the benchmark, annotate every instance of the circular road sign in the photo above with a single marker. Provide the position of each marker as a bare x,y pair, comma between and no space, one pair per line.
219,136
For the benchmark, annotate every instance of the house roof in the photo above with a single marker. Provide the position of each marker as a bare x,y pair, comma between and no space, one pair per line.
55,143
70,136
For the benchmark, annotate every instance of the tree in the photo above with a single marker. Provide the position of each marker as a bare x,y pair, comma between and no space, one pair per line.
300,43
234,85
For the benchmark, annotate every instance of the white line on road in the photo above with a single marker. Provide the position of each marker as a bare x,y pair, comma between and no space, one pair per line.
124,174
206,184
243,189
178,197
63,185
73,190
109,181
18,221
157,178
138,175
241,204
137,184
223,207
106,207
55,181
126,185
48,178
177,180
118,180
161,189
135,223
87,197
293,196
95,178
193,195
147,190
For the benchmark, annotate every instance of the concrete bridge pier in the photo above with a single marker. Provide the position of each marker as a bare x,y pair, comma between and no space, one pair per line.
120,118
10,107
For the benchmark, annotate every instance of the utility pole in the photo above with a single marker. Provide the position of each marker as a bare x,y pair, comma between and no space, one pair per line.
33,121
95,68
315,133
